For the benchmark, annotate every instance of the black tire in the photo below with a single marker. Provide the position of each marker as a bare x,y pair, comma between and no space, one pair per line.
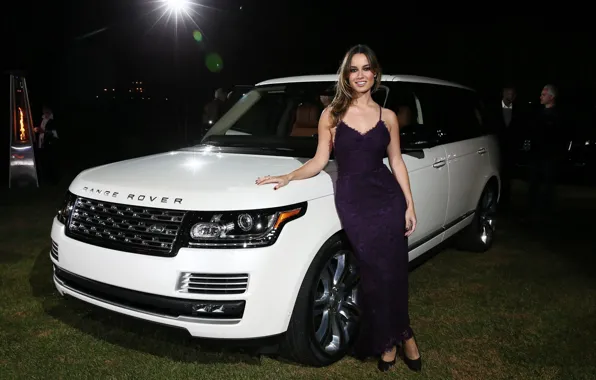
478,236
301,343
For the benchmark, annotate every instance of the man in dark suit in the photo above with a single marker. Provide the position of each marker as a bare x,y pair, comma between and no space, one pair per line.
547,152
508,119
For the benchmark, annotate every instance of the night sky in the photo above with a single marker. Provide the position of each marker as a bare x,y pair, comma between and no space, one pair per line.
70,47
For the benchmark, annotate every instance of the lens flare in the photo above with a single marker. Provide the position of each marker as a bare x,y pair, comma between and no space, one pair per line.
214,62
197,35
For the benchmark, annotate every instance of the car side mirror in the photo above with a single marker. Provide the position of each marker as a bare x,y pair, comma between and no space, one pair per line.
418,136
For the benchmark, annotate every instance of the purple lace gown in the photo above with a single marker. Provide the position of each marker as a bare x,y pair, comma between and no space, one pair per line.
371,207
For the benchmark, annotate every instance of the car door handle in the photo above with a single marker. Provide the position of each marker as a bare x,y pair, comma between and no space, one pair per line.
439,163
481,151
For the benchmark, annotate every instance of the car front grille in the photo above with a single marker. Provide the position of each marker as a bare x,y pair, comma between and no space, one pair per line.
127,228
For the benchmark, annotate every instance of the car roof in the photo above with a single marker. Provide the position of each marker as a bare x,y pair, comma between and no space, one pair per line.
384,78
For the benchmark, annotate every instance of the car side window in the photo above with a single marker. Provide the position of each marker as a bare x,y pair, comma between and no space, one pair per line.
414,134
402,101
473,114
455,112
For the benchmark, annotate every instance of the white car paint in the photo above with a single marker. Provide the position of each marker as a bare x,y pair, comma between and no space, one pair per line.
202,178
275,273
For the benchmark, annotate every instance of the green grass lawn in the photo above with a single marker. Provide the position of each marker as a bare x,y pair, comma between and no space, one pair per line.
524,310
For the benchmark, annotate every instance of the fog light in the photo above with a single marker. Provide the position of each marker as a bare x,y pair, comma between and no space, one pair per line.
207,308
215,309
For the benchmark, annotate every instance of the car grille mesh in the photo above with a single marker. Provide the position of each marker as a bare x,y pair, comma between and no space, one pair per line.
123,227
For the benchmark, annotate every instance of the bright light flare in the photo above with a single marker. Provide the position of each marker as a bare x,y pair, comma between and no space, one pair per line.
177,6
179,12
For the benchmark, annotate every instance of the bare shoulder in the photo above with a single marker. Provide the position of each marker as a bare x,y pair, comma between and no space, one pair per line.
326,111
389,114
326,118
390,118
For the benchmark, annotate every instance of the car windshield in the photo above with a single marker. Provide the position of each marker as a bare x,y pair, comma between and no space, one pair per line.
277,120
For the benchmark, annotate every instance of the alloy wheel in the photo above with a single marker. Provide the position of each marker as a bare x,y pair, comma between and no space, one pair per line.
487,217
336,313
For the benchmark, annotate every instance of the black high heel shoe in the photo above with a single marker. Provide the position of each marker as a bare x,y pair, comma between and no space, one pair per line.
384,366
413,364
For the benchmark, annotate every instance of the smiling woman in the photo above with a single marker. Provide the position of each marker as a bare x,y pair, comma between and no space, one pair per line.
374,203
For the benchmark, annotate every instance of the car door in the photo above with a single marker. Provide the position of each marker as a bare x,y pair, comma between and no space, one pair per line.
426,162
453,111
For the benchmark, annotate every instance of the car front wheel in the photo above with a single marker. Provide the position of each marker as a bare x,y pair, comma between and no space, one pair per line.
325,319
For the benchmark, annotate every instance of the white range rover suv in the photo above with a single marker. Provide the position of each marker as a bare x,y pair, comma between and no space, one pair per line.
187,239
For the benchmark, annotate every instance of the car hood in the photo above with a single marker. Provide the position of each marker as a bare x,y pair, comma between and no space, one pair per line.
199,180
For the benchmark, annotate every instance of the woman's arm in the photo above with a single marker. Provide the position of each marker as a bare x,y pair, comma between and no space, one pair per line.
399,170
395,158
313,166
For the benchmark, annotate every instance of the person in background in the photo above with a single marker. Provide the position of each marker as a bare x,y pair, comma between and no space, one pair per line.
547,152
214,109
46,146
509,120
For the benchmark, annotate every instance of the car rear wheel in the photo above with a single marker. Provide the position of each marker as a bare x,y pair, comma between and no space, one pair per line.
326,315
479,235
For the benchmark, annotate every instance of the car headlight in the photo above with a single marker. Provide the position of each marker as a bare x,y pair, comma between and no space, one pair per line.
66,207
240,229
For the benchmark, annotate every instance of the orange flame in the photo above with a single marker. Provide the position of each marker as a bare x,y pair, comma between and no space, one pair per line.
22,129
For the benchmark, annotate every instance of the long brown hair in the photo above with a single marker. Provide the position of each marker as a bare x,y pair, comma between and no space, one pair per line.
344,93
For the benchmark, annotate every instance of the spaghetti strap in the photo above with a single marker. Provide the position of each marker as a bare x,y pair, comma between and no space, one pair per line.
380,113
